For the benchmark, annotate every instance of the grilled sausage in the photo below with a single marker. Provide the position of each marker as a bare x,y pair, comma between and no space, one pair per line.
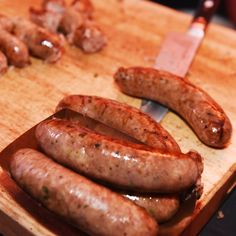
40,42
3,63
92,208
89,38
71,20
161,207
15,50
122,117
128,165
203,114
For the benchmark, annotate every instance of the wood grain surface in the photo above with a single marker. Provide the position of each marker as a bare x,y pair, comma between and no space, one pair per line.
135,30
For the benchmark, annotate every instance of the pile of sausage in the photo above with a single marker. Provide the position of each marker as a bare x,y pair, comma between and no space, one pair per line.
120,174
20,37
74,21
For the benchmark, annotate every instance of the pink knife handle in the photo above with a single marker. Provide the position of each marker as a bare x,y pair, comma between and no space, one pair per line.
202,17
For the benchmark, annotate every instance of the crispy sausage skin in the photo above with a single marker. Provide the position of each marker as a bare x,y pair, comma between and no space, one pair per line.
40,42
127,165
3,63
161,207
122,117
16,51
89,206
203,114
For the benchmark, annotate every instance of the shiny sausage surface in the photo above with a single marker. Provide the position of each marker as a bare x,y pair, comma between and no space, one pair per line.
41,42
203,114
161,207
128,165
16,51
87,205
122,117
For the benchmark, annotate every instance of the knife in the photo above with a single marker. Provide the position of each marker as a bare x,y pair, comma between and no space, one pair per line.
178,50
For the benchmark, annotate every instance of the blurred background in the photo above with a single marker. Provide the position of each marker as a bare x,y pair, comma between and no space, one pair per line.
226,14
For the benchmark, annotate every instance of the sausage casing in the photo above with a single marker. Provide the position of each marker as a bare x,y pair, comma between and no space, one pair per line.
122,117
128,165
41,42
16,51
161,207
203,114
92,208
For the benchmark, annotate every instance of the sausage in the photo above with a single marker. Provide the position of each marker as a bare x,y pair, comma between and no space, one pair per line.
96,126
161,207
71,20
89,38
46,19
16,51
204,115
41,42
122,117
87,205
3,64
127,165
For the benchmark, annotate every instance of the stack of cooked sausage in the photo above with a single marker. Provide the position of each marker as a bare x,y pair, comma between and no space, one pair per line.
74,21
130,171
20,37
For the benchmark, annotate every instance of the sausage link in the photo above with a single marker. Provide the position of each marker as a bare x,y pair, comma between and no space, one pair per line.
40,42
89,38
203,114
161,207
122,117
89,206
16,51
128,165
3,64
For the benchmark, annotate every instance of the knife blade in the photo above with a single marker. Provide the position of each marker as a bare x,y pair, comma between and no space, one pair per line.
178,51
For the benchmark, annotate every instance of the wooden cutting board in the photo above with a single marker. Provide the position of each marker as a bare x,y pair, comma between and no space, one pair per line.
135,30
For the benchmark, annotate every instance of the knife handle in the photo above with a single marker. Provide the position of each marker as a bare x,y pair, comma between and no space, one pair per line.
202,17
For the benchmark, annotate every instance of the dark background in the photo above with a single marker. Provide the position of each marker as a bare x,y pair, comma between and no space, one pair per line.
226,10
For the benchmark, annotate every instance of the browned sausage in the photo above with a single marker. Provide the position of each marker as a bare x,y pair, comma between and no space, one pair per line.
89,38
92,208
128,165
122,117
71,20
203,114
161,207
40,42
16,51
3,64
